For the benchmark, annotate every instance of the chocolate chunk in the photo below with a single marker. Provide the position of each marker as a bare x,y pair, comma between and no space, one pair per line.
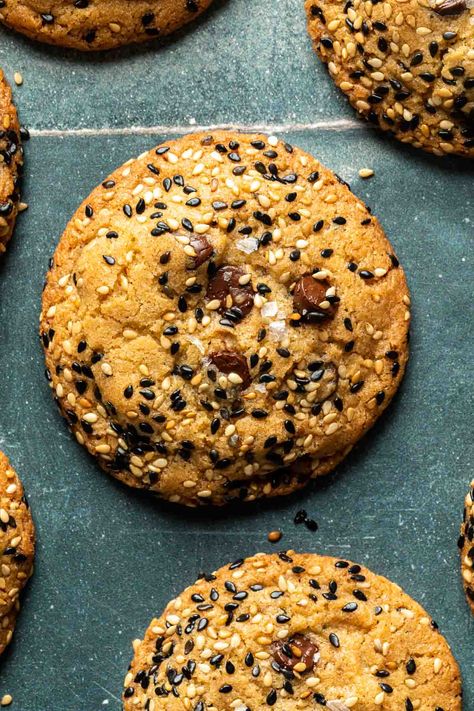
224,283
297,650
309,293
303,468
450,7
231,362
203,251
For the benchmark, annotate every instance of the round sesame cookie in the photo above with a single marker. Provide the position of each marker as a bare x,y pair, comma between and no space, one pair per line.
466,546
11,160
218,309
17,542
406,67
293,632
98,24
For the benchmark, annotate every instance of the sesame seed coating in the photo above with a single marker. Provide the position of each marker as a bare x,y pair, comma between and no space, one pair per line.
205,344
466,546
17,542
98,24
406,66
296,632
11,160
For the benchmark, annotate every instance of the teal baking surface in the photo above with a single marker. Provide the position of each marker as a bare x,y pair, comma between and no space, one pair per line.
108,558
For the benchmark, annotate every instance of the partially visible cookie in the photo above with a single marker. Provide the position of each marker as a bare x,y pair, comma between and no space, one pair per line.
218,309
98,24
296,632
406,67
466,546
11,160
17,543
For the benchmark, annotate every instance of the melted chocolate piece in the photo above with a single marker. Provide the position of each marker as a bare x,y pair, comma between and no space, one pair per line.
298,649
203,250
309,293
450,7
225,282
231,362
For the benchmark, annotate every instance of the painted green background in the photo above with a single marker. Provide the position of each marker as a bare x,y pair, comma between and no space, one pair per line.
108,559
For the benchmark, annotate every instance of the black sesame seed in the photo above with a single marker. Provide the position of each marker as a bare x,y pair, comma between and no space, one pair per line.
271,698
350,607
300,517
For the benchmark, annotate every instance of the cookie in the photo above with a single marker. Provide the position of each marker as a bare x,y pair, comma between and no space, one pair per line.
11,160
407,68
98,24
218,309
466,546
17,542
293,631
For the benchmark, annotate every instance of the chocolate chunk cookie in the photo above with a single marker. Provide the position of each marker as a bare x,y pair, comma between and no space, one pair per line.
466,546
293,631
17,542
223,319
406,67
98,24
11,160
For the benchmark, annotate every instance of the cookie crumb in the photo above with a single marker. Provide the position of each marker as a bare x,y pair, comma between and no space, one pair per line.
6,700
18,78
275,536
366,173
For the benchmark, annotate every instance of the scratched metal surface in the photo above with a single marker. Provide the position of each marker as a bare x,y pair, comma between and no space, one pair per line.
108,559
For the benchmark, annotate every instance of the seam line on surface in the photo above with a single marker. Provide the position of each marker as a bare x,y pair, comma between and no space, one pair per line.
336,125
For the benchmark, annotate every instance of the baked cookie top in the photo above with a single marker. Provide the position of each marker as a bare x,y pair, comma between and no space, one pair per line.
17,537
219,308
406,67
98,24
466,546
293,631
11,159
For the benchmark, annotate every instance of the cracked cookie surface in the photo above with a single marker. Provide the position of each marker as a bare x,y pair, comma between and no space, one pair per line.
293,631
98,24
218,309
17,542
466,546
11,160
407,67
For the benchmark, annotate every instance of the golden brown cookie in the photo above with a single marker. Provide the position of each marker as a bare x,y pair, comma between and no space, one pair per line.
406,67
218,309
466,546
293,632
11,160
17,543
98,24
